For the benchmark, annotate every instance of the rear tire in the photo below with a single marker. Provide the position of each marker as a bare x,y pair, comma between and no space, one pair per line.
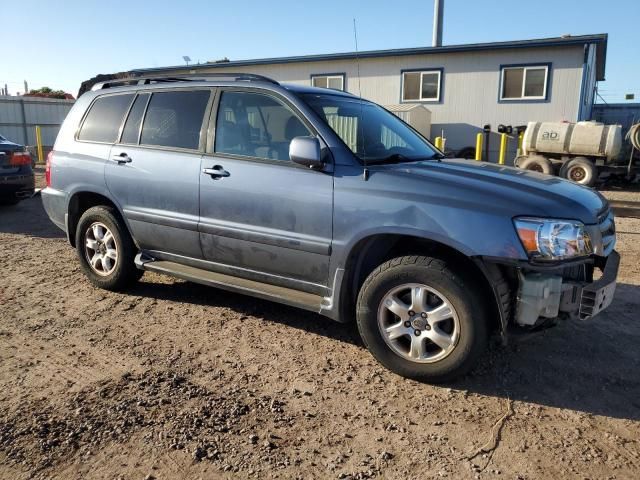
536,163
580,170
7,202
106,250
437,344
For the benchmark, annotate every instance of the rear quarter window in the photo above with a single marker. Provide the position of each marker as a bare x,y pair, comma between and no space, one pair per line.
105,116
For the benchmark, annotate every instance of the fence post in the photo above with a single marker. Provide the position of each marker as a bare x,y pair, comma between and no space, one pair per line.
24,122
39,144
503,148
479,146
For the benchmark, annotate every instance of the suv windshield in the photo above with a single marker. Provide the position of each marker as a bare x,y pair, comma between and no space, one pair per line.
372,133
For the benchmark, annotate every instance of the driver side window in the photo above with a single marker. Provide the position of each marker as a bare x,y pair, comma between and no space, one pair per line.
256,125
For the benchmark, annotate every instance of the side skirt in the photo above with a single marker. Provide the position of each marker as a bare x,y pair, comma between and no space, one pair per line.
287,296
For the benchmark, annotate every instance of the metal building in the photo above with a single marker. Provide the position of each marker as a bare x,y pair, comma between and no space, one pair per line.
464,86
625,114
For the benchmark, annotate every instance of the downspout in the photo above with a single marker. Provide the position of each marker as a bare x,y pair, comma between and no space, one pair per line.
585,61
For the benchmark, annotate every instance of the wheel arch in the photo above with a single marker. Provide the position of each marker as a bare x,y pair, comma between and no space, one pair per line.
369,252
82,200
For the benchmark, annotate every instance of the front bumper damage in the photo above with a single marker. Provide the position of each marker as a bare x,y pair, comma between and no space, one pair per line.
545,295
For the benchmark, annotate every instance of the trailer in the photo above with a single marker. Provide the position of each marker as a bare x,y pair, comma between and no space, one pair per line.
575,151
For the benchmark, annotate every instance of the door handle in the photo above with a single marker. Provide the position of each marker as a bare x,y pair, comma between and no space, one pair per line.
121,158
216,172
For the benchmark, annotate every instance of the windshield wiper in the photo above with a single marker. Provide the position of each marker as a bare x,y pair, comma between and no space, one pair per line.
399,158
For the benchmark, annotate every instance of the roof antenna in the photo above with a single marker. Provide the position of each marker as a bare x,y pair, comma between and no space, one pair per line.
365,172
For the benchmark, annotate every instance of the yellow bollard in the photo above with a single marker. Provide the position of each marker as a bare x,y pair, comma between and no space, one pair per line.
520,137
479,146
39,144
503,148
438,143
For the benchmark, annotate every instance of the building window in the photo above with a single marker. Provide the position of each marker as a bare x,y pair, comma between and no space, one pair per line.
330,80
422,86
524,83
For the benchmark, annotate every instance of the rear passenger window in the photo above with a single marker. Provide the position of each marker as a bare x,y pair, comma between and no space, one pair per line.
103,121
174,119
256,125
132,127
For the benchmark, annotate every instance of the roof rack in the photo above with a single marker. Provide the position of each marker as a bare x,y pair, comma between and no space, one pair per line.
247,77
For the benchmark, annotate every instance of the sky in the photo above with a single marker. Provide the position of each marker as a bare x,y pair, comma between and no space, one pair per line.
61,43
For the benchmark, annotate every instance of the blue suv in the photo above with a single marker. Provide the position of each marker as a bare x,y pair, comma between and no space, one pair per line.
319,199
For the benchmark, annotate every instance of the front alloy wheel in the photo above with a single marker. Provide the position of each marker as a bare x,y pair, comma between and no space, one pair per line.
418,323
422,320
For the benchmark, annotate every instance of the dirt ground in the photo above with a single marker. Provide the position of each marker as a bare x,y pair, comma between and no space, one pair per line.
177,380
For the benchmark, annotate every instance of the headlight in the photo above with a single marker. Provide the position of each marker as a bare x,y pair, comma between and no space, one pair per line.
550,239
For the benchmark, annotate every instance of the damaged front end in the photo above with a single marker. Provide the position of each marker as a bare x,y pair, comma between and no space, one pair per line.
571,271
579,291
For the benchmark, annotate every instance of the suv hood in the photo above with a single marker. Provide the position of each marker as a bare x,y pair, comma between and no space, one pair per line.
506,190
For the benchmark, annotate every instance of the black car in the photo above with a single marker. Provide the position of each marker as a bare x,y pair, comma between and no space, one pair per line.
16,173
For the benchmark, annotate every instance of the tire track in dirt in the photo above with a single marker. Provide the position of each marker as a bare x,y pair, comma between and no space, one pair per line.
59,365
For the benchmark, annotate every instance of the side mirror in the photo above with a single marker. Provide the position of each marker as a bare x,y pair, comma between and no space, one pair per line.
306,151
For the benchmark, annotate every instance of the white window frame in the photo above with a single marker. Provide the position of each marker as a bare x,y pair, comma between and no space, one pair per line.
328,77
522,96
422,73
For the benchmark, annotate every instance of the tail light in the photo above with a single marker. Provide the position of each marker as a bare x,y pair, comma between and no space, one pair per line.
47,169
20,158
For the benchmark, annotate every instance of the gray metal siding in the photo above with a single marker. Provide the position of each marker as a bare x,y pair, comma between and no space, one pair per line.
48,113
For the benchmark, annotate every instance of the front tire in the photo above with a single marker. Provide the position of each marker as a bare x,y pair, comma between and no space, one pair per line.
106,250
421,320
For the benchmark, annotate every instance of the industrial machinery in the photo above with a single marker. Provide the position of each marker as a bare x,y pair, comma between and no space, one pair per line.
576,151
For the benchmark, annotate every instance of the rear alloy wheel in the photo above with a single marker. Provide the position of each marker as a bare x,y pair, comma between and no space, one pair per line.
105,249
100,249
580,170
421,320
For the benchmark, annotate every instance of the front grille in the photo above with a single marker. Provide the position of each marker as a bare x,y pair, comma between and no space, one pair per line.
607,227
